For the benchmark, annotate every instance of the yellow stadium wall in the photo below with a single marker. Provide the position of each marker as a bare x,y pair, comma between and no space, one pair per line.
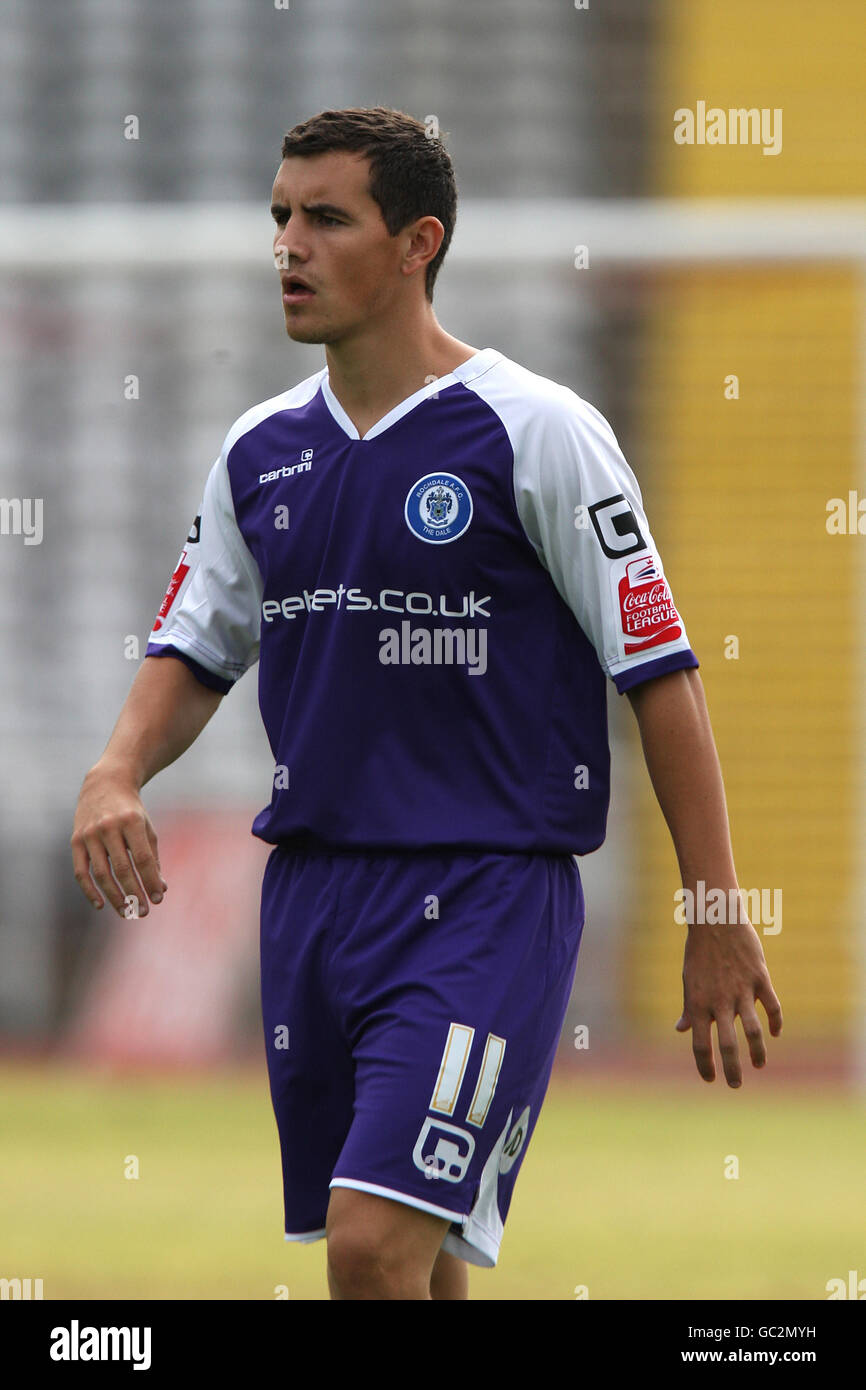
804,58
737,493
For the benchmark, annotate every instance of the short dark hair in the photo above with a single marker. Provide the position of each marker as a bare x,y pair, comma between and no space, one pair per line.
411,174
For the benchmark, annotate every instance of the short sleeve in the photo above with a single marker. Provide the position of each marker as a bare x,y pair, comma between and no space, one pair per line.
211,614
581,508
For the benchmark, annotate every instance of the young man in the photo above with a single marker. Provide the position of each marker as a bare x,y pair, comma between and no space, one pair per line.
437,557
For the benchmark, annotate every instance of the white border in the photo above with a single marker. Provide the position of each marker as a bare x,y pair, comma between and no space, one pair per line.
305,1236
418,1202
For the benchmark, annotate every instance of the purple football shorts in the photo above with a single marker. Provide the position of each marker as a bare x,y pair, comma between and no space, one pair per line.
412,1005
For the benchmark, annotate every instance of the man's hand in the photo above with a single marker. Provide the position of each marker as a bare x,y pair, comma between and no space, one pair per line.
724,973
165,711
112,831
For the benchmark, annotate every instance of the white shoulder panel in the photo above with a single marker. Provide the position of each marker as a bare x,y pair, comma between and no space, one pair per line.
212,608
581,508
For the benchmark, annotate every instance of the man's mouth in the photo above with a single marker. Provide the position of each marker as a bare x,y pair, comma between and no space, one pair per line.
296,291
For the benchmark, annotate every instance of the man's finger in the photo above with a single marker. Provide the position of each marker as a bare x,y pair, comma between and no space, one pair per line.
142,850
769,999
81,870
754,1035
154,844
702,1047
729,1049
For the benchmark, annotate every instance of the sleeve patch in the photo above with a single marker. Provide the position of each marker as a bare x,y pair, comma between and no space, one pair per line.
180,574
648,616
616,527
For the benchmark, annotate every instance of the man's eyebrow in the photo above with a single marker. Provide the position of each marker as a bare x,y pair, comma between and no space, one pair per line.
323,209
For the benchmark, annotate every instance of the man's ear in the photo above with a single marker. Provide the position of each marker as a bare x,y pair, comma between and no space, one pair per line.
425,236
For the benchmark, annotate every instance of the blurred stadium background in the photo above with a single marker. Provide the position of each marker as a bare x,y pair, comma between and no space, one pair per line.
149,258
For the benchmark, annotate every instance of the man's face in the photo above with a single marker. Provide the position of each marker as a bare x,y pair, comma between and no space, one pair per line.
330,232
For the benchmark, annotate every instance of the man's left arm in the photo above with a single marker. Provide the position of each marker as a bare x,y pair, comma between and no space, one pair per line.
724,970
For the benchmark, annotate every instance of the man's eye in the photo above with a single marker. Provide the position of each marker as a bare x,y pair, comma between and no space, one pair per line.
281,219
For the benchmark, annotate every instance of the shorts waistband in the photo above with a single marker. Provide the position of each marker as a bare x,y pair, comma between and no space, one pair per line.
412,853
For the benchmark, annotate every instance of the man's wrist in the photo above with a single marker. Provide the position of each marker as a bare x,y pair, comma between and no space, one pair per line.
713,901
116,769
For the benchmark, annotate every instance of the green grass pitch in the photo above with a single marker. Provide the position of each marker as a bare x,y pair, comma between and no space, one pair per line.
623,1191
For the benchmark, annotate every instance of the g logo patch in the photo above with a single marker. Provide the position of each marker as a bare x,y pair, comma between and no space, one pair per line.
443,1150
438,508
616,527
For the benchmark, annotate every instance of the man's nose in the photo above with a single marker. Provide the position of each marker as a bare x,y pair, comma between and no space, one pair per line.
288,249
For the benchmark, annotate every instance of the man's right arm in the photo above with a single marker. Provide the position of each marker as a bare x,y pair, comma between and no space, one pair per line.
164,713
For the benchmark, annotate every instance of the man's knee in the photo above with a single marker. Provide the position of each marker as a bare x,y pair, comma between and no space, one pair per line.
361,1264
379,1248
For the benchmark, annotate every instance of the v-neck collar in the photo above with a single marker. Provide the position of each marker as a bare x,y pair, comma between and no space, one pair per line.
479,362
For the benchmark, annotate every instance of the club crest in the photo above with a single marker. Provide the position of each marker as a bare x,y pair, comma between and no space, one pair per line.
438,508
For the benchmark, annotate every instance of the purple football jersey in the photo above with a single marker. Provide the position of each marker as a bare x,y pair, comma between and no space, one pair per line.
434,607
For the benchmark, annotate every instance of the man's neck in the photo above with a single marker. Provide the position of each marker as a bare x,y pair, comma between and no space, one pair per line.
370,377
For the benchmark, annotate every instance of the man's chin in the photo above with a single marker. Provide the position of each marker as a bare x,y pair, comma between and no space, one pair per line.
306,333
301,335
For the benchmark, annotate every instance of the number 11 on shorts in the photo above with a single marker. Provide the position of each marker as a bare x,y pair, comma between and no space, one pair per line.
452,1070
